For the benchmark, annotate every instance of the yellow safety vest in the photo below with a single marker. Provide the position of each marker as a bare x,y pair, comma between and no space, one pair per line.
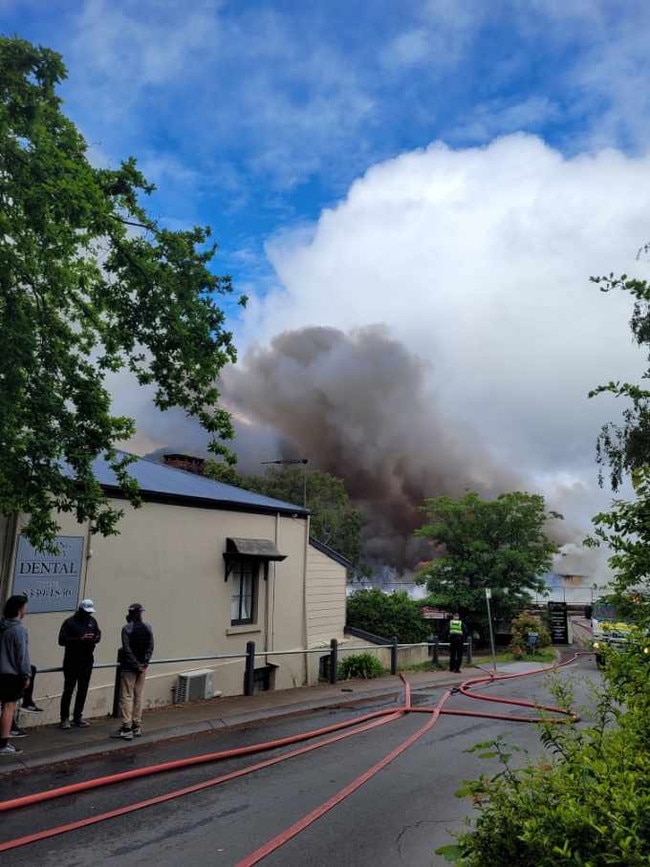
455,627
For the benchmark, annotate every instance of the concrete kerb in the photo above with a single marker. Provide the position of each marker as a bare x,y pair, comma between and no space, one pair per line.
49,758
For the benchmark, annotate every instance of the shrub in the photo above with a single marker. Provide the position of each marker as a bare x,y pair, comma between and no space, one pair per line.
522,626
387,614
589,804
363,665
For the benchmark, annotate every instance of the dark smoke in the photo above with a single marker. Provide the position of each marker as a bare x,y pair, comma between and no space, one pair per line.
359,406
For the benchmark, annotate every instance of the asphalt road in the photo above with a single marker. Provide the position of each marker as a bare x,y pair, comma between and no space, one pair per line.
398,817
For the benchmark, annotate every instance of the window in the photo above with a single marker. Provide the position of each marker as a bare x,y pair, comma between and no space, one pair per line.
243,599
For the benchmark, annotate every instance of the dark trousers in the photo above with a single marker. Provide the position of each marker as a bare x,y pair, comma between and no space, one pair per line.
76,673
455,652
28,694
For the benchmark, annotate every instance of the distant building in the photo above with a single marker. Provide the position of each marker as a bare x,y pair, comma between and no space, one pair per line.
572,589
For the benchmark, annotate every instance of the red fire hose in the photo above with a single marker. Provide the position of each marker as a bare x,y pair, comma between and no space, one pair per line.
360,724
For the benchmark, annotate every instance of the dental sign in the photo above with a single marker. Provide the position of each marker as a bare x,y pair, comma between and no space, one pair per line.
50,581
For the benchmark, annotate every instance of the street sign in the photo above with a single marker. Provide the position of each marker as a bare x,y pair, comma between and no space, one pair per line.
558,622
488,593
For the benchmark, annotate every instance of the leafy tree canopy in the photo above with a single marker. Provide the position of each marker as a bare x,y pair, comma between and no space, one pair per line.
334,520
387,614
500,544
90,284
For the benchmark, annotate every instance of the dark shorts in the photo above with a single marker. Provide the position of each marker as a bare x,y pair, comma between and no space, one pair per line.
12,687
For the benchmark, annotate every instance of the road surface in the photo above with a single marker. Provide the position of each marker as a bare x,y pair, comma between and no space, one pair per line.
398,817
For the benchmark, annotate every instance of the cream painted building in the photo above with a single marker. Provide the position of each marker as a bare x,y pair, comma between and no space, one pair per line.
215,567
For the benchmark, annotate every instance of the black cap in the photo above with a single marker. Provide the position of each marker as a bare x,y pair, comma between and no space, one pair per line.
135,606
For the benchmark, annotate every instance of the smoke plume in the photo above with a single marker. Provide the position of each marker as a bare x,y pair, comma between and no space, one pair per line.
360,405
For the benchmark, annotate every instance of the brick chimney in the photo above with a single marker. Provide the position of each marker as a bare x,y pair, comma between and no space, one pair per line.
185,462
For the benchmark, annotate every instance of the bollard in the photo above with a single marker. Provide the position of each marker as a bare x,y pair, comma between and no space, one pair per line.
469,649
436,653
116,688
249,673
393,656
334,660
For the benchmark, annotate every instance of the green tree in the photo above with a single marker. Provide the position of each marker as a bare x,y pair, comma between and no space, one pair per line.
625,446
334,520
500,544
90,285
223,471
387,614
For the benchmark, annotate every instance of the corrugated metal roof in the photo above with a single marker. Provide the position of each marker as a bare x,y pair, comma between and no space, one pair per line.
167,482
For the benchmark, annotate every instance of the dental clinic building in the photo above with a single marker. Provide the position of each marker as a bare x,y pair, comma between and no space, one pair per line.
215,567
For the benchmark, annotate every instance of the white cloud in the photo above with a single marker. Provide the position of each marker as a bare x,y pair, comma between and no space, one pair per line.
479,261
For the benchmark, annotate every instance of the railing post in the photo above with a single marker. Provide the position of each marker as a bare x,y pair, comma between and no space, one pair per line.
249,674
334,660
436,653
469,649
116,688
393,656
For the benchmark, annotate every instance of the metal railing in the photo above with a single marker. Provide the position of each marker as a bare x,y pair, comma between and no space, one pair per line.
249,656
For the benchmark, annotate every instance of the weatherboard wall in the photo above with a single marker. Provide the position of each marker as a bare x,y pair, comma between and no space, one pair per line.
170,558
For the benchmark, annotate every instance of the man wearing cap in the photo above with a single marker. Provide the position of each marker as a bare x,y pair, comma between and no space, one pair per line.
136,651
79,634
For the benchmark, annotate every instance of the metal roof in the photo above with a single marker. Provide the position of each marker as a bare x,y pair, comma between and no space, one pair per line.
330,552
168,484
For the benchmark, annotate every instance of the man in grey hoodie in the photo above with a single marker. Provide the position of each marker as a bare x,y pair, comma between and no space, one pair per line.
15,667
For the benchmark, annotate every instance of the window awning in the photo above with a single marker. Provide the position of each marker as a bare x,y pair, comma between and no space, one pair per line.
261,550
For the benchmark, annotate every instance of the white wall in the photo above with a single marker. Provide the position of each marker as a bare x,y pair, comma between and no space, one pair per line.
169,558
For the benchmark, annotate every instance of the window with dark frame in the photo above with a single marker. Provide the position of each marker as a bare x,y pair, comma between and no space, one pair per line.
243,599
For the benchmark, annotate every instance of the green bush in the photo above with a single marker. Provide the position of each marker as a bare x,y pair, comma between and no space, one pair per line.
387,614
363,665
522,626
589,804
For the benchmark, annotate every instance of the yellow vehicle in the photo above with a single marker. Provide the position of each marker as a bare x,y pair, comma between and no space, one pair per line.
607,630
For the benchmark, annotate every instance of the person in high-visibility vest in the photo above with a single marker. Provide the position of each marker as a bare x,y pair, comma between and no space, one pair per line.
456,639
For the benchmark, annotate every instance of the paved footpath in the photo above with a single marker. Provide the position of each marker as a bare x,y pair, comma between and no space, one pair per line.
49,745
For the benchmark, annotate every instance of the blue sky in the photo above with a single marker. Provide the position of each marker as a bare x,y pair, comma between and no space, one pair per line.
450,170
254,116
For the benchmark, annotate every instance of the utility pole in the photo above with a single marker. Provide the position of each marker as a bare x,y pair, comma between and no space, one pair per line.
488,596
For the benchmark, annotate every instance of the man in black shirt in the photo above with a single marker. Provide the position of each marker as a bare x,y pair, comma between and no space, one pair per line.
79,634
135,653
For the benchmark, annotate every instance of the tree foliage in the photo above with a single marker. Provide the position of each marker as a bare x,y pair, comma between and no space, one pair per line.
90,285
499,544
587,802
387,614
624,447
334,520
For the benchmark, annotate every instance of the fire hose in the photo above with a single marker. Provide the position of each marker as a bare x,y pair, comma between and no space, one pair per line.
328,734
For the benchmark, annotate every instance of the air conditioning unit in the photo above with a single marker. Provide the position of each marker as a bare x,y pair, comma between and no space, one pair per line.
195,685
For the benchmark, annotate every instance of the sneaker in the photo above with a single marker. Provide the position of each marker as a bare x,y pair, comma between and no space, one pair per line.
80,723
10,750
64,724
137,731
31,708
17,732
124,733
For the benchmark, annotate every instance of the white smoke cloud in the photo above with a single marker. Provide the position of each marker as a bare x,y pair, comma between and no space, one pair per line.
478,260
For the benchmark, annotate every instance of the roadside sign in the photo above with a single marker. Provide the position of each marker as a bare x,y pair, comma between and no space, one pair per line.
432,613
488,593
